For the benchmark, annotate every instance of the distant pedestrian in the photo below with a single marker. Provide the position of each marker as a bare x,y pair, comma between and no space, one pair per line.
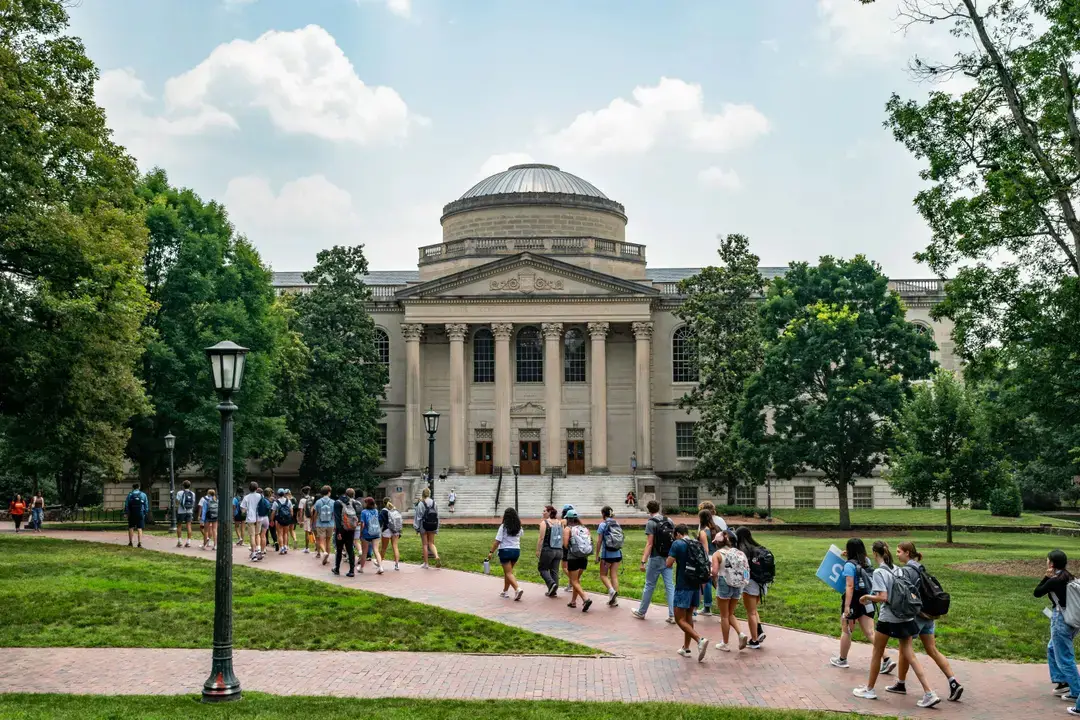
707,531
324,524
691,571
508,545
304,509
549,549
762,570
731,570
238,516
281,516
451,500
296,517
1060,655
659,535
37,511
426,524
392,524
210,518
609,543
17,510
346,520
136,506
578,541
370,530
566,550
251,503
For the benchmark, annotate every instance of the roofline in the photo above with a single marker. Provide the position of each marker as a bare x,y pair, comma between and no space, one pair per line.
584,202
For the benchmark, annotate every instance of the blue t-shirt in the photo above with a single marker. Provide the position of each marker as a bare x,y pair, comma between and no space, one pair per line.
369,519
679,552
319,504
850,571
605,553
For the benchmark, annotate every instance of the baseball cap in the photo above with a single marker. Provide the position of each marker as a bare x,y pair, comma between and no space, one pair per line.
281,491
571,514
567,506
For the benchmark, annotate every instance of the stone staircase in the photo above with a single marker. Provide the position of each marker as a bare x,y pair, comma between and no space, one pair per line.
587,493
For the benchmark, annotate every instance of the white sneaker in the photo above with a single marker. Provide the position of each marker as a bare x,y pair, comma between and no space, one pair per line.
866,693
187,544
396,566
504,595
685,652
378,570
929,700
723,647
425,566
306,552
670,620
702,646
177,543
742,641
839,662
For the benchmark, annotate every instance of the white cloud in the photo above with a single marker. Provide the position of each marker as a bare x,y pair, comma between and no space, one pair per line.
401,8
672,109
289,227
719,179
499,162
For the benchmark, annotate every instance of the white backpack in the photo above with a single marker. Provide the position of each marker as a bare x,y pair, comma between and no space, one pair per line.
735,568
395,522
580,542
1071,612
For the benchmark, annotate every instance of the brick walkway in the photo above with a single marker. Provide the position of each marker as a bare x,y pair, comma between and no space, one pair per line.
792,671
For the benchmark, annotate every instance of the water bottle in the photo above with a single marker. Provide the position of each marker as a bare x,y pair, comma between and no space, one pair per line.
487,566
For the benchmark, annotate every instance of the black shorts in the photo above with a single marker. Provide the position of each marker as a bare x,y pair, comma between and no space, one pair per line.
575,564
136,521
615,559
857,610
907,629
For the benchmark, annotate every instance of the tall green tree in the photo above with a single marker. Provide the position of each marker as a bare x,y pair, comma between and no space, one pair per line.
338,414
721,309
71,252
839,361
942,447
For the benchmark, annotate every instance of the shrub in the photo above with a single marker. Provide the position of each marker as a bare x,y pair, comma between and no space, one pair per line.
1006,501
721,510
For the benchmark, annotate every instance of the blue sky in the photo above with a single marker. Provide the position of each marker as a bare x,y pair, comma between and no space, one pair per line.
322,122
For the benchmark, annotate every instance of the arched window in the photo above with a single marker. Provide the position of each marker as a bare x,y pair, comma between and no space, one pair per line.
382,347
683,363
530,355
483,355
574,356
923,329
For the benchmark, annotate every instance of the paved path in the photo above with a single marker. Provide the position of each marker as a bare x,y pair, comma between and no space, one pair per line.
792,670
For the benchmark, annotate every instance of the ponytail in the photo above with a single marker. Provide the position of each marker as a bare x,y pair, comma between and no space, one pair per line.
882,548
909,547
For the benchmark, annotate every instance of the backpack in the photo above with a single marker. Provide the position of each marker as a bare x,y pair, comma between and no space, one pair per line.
263,508
284,513
373,529
237,509
613,536
134,503
211,510
935,601
580,542
763,566
325,510
349,521
697,569
429,521
664,536
903,600
394,521
187,500
735,569
554,535
1071,612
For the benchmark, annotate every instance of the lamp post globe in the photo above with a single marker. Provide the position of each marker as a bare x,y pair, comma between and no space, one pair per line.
227,369
170,443
431,424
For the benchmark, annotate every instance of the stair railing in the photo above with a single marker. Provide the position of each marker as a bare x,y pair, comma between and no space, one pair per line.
551,490
498,490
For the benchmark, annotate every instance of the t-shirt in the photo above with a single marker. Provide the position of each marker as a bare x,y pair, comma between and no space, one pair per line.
679,551
237,503
18,507
181,508
605,553
850,571
202,507
507,541
883,581
452,497
301,507
651,526
251,506
324,500
278,504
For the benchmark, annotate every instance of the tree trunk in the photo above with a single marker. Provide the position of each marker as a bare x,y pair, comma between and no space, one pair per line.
845,516
948,518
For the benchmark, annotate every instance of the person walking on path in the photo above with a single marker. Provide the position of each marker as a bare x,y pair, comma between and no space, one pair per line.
508,545
210,518
549,549
17,510
566,550
281,515
251,503
857,582
295,517
731,570
451,500
659,535
578,541
304,509
370,530
135,507
692,567
346,520
1060,655
762,569
912,558
609,543
894,621
324,524
37,511
708,529
426,524
391,523
238,516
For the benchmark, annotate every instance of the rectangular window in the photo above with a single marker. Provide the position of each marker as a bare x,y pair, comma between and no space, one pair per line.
483,357
382,440
804,496
746,496
688,496
684,440
862,497
921,504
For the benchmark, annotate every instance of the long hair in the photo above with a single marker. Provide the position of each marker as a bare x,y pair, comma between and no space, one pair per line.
1060,561
856,552
909,547
511,522
746,540
882,548
705,520
550,513
388,505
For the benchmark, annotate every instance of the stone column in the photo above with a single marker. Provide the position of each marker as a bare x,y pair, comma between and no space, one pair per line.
457,332
413,421
598,397
643,405
501,455
553,375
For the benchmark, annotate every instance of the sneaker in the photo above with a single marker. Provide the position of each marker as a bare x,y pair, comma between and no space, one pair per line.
378,570
553,591
955,691
743,640
1060,688
839,662
139,545
326,558
178,543
586,605
865,693
424,566
1068,697
240,542
1073,711
929,700
504,595
707,611
685,652
753,645
351,573
670,620
887,666
396,566
572,605
306,551
637,613
335,571
129,543
760,637
897,688
518,594
723,647
187,544
702,646
361,571
612,597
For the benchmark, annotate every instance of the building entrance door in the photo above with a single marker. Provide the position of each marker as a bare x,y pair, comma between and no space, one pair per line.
483,457
575,457
529,457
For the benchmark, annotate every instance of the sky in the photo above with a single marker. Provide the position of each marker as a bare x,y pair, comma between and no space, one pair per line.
336,122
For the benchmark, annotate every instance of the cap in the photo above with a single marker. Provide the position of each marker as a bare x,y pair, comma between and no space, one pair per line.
571,514
281,491
567,506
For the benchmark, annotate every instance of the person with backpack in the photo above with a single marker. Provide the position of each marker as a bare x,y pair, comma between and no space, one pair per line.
304,509
266,524
136,506
391,523
346,520
185,508
426,523
549,549
708,529
508,545
609,542
370,530
900,605
251,503
912,559
238,516
762,572
659,535
578,542
566,550
688,555
296,517
323,510
281,516
1060,655
210,519
731,570
857,582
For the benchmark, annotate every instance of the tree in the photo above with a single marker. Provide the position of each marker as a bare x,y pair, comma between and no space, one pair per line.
337,420
71,252
941,447
721,311
839,361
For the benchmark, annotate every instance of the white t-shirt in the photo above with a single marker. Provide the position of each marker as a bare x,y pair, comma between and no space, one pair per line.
301,507
180,502
508,542
452,497
251,507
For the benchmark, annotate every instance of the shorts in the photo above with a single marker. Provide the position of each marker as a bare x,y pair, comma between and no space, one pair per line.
926,625
897,629
324,533
137,521
575,564
264,523
388,534
613,560
509,555
307,525
857,611
752,588
183,517
686,598
725,591
357,533
367,539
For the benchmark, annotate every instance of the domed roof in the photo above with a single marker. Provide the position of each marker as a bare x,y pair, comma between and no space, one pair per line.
533,178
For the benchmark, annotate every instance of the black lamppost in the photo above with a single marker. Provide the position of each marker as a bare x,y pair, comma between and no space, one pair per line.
227,363
431,424
170,443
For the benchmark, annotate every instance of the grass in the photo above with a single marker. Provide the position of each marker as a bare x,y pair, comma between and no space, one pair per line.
991,617
258,705
58,593
916,516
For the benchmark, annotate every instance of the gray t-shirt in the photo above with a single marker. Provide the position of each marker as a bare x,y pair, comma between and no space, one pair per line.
651,526
882,582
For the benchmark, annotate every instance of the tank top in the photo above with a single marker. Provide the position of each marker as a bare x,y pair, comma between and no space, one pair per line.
547,532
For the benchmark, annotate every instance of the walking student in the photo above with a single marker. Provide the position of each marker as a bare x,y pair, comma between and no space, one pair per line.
210,518
912,559
731,570
324,524
305,509
391,523
295,517
894,621
1060,656
281,516
426,524
578,540
566,550
370,530
659,535
549,549
17,510
692,571
451,500
252,502
238,516
857,583
346,520
508,545
609,543
37,511
136,506
762,572
708,529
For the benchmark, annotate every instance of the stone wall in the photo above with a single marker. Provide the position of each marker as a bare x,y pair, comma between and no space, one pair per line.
534,221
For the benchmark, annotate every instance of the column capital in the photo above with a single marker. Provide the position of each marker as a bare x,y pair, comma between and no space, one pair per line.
457,331
412,331
643,330
552,331
599,330
502,331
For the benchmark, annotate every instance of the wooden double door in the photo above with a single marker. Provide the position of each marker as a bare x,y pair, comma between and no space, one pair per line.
483,457
529,457
575,457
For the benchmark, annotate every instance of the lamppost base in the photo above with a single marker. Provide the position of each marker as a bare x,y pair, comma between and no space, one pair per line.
221,686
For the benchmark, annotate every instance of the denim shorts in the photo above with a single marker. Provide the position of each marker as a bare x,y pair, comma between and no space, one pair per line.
725,591
926,625
686,599
509,555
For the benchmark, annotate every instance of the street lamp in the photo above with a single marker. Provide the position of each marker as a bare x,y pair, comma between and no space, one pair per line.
227,365
431,424
170,443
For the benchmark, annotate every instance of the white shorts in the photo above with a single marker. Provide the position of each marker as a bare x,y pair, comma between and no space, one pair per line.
264,523
358,532
387,534
307,525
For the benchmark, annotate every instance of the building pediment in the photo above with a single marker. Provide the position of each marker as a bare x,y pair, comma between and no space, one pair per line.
526,275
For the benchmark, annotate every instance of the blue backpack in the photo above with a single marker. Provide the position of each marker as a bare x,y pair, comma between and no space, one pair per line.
134,503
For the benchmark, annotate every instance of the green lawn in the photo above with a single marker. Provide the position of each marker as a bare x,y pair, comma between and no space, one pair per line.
992,617
59,593
258,705
920,516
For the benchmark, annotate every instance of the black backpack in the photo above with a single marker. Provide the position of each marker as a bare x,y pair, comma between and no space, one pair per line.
284,513
697,569
134,503
763,566
429,521
935,601
663,537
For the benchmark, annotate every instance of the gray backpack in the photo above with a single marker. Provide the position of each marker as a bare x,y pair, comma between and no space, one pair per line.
1071,612
904,600
554,535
